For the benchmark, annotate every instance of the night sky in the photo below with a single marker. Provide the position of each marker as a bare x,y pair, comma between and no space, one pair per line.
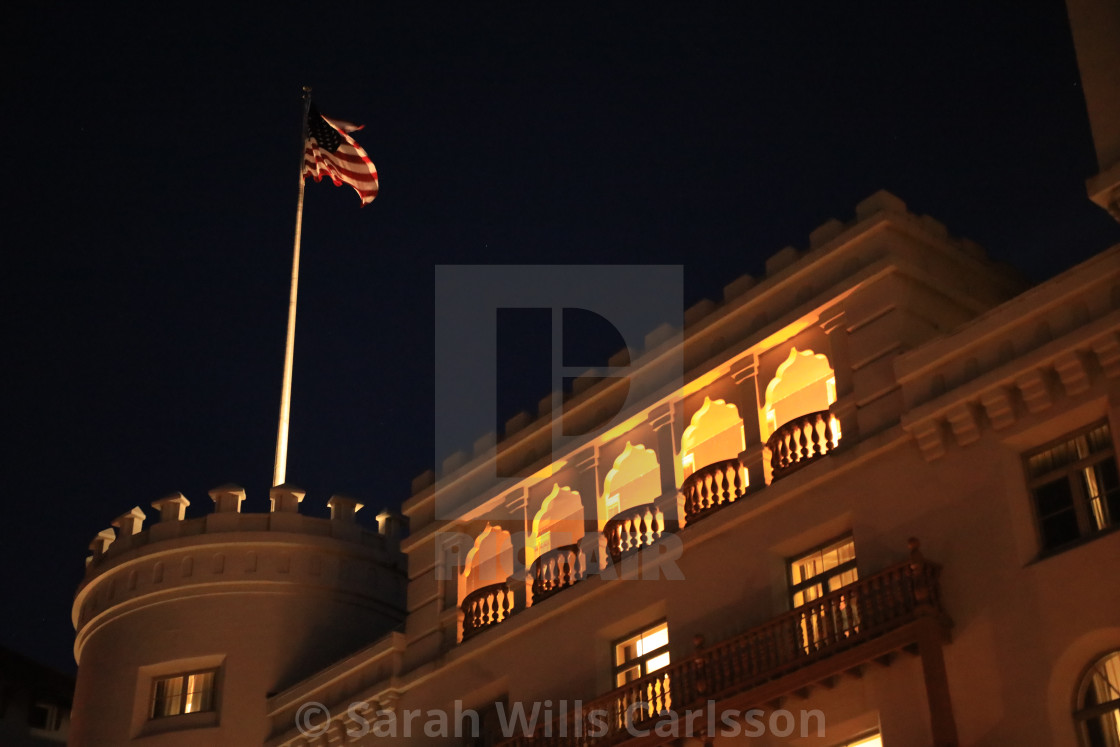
151,189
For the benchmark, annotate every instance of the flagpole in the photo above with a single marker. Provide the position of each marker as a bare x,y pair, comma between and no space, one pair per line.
280,466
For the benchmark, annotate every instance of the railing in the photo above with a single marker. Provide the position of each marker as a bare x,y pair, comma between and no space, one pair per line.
486,607
800,441
713,487
633,529
835,622
557,569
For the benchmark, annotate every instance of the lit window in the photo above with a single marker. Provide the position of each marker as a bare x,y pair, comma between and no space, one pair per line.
871,740
45,716
822,571
1075,486
192,692
641,653
1098,703
812,576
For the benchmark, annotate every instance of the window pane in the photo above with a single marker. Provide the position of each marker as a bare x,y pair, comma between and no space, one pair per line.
168,698
1104,498
654,640
199,688
626,651
1059,529
1104,730
183,693
1054,497
628,675
1101,687
657,662
873,741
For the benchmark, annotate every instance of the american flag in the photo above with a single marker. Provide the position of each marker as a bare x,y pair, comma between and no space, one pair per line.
330,151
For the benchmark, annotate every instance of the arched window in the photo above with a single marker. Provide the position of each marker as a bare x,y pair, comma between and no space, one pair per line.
1098,703
490,561
558,523
634,479
714,434
803,384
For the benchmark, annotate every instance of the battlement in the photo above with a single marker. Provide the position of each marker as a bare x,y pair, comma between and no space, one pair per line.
284,516
230,551
882,236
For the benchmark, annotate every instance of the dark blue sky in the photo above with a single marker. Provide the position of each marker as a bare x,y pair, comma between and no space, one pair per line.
151,192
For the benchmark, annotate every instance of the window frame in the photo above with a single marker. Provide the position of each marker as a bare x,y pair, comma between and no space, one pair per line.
1083,714
183,677
617,668
1081,502
822,578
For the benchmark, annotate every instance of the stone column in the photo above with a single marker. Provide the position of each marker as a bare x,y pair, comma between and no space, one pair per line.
516,505
661,418
744,373
834,324
589,485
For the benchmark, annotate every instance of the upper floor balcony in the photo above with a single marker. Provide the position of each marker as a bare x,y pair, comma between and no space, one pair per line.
659,476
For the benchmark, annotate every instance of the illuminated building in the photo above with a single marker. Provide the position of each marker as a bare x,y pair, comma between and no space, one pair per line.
881,503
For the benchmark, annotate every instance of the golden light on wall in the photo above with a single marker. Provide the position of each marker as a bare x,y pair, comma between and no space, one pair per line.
558,523
634,479
804,383
714,434
490,561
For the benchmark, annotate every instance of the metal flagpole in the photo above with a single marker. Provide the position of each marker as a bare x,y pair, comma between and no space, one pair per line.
280,467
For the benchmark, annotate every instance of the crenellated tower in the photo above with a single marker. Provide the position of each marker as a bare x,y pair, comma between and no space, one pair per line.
186,626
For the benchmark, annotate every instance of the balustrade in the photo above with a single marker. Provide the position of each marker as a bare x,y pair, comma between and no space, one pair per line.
557,569
483,608
633,529
800,441
711,488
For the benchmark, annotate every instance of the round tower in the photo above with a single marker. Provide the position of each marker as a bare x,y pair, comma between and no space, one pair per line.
187,627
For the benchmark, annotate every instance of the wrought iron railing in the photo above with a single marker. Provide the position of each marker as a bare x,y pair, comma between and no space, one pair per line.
711,488
847,617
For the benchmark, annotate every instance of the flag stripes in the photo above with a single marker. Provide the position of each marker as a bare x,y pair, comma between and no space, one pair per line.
331,152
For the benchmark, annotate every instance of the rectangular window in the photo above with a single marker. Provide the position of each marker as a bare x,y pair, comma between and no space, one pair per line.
816,574
635,656
642,653
192,692
822,571
1075,486
45,716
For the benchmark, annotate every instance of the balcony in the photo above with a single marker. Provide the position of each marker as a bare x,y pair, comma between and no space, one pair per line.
709,489
557,569
865,620
630,530
801,441
486,607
